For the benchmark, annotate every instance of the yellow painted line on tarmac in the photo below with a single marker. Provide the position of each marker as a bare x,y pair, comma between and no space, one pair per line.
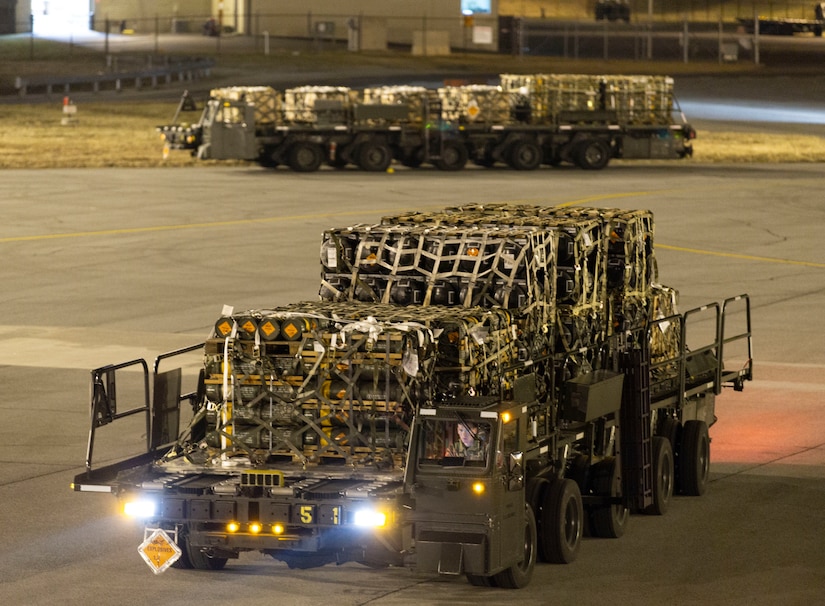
698,251
154,228
581,201
591,199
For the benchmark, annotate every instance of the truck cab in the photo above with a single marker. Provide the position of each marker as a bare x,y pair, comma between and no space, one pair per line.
466,479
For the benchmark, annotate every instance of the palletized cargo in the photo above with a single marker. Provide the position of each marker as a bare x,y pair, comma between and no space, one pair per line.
305,103
266,101
475,103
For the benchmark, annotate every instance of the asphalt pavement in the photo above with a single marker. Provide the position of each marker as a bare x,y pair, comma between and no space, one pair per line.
103,266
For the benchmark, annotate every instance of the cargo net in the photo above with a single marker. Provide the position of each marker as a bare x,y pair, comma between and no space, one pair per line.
665,340
475,103
443,266
310,104
338,383
265,100
590,242
421,102
553,98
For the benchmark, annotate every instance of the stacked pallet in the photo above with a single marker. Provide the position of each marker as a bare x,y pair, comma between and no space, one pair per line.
339,383
554,98
265,100
307,103
475,103
418,99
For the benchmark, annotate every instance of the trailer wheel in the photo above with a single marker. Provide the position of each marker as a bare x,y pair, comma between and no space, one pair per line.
519,575
592,155
374,156
663,476
562,522
608,521
694,458
524,155
454,156
305,157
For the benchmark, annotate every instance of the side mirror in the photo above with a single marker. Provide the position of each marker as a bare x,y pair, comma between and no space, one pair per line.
515,471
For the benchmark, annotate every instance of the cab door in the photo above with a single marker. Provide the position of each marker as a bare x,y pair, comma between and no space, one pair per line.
510,475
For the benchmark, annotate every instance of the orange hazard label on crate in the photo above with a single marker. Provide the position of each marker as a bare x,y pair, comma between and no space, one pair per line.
290,330
159,551
268,328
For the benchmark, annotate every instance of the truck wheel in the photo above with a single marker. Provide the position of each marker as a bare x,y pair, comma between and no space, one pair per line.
562,522
592,155
454,156
479,580
608,521
374,156
519,575
198,559
413,158
524,155
305,157
663,476
694,458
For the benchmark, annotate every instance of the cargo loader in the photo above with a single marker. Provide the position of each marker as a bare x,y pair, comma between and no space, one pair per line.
473,390
527,121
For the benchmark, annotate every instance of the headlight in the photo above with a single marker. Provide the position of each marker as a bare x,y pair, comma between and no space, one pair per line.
370,518
140,508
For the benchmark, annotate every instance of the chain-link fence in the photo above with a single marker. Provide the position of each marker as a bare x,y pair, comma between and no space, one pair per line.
657,41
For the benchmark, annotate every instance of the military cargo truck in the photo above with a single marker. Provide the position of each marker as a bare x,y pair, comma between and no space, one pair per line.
473,390
526,121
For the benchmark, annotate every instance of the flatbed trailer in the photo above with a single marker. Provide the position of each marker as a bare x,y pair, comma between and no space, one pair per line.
524,130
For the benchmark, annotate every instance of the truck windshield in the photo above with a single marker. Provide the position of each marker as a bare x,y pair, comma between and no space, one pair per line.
454,442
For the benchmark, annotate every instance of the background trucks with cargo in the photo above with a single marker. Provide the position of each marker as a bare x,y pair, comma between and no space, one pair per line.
779,26
526,121
474,389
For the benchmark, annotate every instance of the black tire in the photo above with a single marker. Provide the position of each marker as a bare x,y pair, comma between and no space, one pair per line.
374,156
519,575
413,158
479,580
454,156
607,521
694,459
524,155
267,160
663,476
197,559
592,155
305,157
561,523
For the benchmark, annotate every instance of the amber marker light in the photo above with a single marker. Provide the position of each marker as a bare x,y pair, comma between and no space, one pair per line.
233,527
277,529
255,527
478,488
506,417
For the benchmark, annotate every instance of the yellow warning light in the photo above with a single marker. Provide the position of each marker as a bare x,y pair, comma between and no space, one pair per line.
255,527
277,529
506,417
233,527
478,488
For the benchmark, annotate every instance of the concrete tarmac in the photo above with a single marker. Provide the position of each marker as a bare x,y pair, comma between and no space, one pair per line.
103,266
